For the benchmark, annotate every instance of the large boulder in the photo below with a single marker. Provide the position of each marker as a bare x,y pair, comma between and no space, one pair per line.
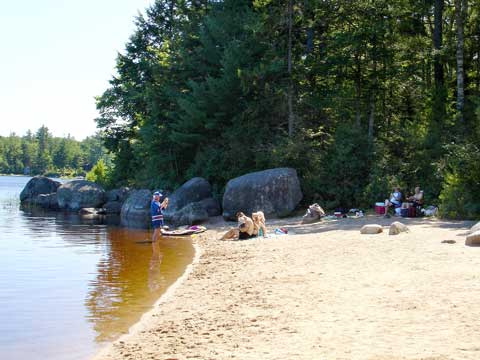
77,194
181,211
46,201
136,209
397,228
275,192
371,229
191,214
120,194
193,190
38,185
113,207
211,206
473,239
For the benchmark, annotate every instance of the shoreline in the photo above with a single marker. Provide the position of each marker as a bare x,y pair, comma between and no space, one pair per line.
323,291
145,318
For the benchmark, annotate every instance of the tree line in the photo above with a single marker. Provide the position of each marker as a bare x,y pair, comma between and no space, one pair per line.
40,153
358,96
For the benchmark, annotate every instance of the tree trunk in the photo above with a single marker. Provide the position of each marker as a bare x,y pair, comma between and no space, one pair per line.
371,118
437,43
358,90
460,10
289,62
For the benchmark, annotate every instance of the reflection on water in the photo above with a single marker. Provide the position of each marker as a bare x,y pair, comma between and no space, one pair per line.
131,275
68,283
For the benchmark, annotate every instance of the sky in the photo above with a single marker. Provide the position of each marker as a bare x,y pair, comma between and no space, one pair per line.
55,57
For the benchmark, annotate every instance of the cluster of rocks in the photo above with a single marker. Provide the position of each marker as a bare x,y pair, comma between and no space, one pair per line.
395,228
276,192
76,195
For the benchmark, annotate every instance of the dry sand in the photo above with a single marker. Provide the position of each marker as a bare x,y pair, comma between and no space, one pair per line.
322,292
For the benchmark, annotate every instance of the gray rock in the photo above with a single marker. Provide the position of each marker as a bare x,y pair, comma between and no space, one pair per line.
113,207
473,239
211,206
191,214
275,192
38,185
397,228
120,194
193,190
136,209
78,194
46,201
371,229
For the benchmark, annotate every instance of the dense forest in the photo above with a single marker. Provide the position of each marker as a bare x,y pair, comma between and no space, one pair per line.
358,96
40,153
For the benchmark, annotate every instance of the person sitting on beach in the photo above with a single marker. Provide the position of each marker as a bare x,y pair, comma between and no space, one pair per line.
395,200
417,198
245,226
245,229
259,223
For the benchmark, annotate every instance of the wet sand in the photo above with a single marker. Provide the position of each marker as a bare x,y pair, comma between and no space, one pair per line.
322,292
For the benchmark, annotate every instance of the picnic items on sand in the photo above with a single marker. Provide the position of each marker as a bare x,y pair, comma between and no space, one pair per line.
314,213
281,231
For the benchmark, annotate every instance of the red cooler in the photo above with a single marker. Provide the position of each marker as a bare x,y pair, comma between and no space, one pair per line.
412,211
380,208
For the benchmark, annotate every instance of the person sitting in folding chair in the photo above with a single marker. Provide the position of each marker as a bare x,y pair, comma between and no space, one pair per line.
417,200
395,200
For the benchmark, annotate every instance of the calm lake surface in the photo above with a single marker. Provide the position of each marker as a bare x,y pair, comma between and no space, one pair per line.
68,285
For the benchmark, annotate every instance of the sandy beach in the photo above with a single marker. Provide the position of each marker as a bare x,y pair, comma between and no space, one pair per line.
324,291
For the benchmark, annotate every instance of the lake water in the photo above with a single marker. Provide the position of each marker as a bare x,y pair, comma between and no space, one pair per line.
68,285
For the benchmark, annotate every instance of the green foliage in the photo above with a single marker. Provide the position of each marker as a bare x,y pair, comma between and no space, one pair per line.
43,154
346,167
99,174
460,196
201,90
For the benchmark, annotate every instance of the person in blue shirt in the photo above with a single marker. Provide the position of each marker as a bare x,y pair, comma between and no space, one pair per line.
395,200
156,208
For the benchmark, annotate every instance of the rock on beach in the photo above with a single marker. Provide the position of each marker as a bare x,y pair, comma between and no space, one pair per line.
473,239
371,229
275,192
397,228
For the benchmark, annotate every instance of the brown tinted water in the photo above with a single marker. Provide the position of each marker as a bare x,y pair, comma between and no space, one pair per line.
68,284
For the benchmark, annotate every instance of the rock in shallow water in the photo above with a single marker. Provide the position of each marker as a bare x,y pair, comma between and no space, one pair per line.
136,209
38,185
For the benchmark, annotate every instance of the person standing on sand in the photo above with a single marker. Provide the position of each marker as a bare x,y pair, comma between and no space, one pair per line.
157,216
